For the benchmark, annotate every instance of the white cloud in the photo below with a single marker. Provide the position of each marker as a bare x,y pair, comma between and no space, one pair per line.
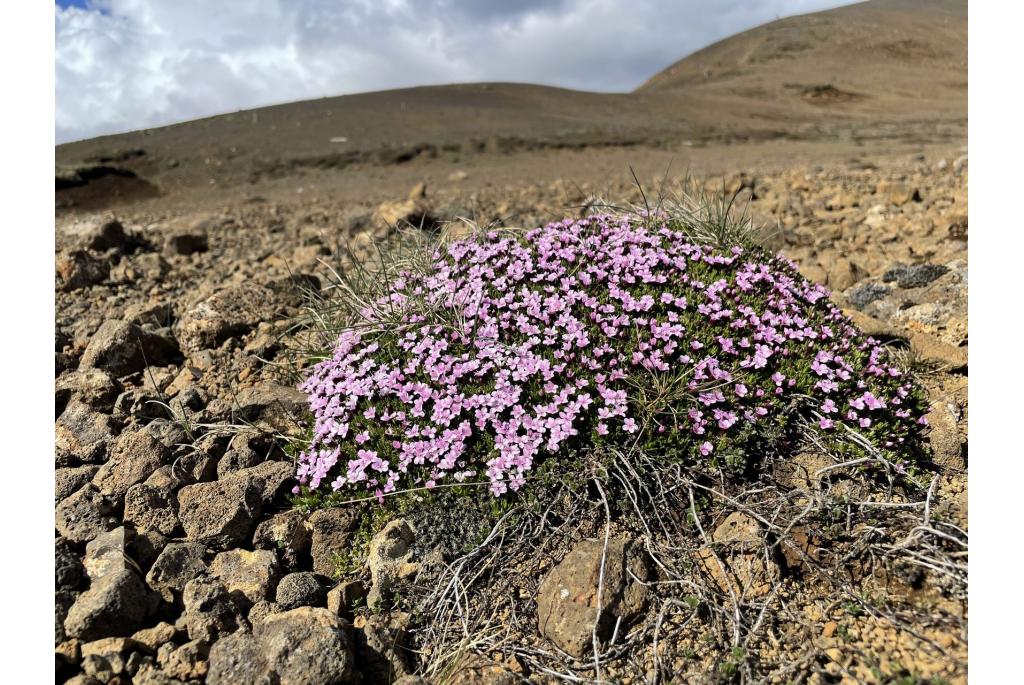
129,64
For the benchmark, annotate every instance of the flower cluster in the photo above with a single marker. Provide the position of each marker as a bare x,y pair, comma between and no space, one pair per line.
513,347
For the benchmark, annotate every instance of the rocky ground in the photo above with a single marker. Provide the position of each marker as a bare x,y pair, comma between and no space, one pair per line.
178,555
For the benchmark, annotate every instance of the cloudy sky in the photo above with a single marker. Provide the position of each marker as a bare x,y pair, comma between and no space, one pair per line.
129,64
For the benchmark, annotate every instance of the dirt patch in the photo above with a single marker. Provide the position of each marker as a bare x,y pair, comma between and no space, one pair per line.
827,94
98,186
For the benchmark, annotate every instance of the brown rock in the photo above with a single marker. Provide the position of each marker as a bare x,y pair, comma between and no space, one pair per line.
78,269
943,435
931,350
151,508
177,564
842,274
108,553
269,654
153,638
251,574
231,312
389,555
287,534
568,605
148,266
186,242
83,435
211,612
93,387
134,457
332,537
187,662
272,477
344,597
117,604
123,348
221,514
68,480
85,514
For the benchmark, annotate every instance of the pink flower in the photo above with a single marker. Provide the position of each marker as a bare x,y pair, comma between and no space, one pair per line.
706,448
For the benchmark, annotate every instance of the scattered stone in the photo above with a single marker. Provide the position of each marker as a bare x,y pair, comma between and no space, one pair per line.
269,654
195,466
300,589
801,546
145,547
332,537
814,272
740,568
186,243
187,662
231,312
239,658
221,514
287,534
738,528
178,563
153,638
108,553
931,350
273,478
273,407
169,433
69,573
210,610
93,387
344,597
106,234
381,646
901,193
153,314
866,294
134,457
873,327
568,606
957,229
246,450
916,276
251,574
842,274
116,604
108,657
148,266
82,679
260,610
390,557
77,269
123,348
85,514
414,211
152,508
69,652
62,603
476,670
68,480
83,435
943,435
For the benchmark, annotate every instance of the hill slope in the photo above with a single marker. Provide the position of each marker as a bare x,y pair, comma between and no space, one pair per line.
875,72
886,54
